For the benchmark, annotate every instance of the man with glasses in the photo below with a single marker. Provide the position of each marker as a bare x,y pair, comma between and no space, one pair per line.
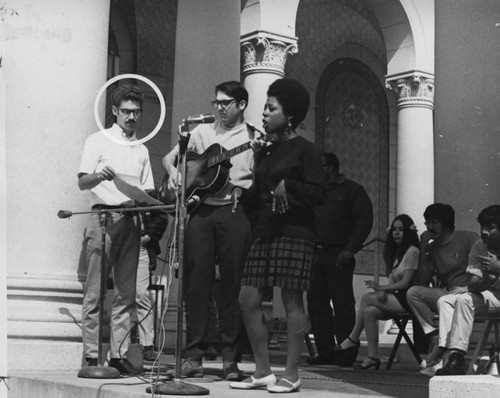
443,261
103,156
217,233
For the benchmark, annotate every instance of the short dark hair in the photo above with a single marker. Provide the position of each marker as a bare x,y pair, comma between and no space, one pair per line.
489,215
443,213
332,160
233,89
127,92
293,98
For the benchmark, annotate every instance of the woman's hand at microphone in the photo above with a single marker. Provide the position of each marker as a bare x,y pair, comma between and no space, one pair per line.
257,144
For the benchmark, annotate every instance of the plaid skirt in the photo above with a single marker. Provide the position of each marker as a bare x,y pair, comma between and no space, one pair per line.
281,262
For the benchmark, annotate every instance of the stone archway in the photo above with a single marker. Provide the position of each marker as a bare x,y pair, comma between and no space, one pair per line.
352,121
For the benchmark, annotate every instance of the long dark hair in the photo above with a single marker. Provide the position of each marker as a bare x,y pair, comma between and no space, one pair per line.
394,252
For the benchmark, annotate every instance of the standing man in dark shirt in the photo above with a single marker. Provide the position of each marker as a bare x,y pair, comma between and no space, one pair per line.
342,225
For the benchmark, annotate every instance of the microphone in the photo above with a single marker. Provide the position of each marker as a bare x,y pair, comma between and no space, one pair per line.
64,213
202,118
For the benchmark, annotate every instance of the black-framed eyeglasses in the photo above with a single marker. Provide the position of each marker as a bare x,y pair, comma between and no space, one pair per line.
489,228
431,222
128,112
224,104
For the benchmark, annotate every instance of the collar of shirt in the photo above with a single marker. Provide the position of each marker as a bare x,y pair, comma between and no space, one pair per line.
447,240
118,134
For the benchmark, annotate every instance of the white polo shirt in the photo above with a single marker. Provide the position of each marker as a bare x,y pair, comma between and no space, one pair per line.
130,160
240,174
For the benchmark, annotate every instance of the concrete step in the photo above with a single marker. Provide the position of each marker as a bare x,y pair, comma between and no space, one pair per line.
386,342
483,386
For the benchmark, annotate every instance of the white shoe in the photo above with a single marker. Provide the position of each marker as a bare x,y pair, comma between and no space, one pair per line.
253,383
431,370
292,387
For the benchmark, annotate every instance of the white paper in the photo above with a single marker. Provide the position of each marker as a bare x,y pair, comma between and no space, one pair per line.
129,186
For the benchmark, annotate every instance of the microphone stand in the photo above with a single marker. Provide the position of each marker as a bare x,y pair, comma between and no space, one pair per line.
176,386
100,371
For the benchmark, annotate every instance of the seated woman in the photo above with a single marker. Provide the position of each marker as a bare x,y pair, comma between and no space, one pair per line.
401,254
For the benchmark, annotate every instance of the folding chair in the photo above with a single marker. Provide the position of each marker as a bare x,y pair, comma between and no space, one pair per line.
401,320
490,320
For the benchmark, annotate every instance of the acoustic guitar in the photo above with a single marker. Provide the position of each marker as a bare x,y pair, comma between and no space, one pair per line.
207,173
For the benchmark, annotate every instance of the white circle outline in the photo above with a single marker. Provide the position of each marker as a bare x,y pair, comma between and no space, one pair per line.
156,90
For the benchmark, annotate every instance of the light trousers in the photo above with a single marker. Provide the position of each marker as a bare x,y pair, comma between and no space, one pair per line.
456,317
122,254
422,301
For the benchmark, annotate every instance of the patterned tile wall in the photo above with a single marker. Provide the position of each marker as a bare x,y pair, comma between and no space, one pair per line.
326,32
353,130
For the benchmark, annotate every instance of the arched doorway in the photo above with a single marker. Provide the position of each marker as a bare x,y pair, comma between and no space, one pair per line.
352,121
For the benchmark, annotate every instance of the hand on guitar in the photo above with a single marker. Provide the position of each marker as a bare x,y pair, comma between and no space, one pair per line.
235,194
174,180
280,203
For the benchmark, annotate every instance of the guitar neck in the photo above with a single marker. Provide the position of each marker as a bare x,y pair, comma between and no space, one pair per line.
222,157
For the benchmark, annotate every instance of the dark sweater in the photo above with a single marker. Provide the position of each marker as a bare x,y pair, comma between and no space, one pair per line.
298,162
346,219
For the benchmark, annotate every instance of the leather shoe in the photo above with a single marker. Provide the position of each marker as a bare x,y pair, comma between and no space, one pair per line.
286,386
149,354
211,353
189,368
321,360
91,361
123,366
454,366
231,372
348,356
431,369
252,383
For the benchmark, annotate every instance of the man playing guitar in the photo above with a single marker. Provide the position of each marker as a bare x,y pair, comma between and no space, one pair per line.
217,232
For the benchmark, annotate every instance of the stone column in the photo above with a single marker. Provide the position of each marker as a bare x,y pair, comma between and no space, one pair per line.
3,225
264,57
54,63
415,143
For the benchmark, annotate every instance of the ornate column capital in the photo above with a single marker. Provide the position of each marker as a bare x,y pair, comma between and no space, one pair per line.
266,52
412,89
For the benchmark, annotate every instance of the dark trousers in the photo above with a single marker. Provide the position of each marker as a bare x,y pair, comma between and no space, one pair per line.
214,234
331,283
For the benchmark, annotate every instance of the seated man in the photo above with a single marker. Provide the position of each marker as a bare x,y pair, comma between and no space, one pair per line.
444,254
457,311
